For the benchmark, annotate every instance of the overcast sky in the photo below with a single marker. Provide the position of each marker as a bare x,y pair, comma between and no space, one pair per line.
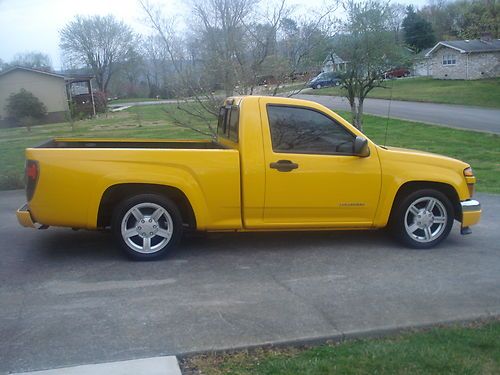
33,25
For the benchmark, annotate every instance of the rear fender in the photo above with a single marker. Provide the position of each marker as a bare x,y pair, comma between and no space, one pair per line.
176,178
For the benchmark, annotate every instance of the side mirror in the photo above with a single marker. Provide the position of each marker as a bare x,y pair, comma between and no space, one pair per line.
361,147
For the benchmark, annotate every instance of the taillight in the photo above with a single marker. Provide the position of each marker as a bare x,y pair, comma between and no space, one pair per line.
32,171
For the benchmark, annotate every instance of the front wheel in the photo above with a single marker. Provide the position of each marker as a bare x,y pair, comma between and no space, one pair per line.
318,86
146,226
423,219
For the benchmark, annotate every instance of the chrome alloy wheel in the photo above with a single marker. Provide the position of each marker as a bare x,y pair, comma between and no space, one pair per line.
425,219
147,228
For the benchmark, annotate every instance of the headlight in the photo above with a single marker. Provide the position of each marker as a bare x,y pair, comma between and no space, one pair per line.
468,172
470,179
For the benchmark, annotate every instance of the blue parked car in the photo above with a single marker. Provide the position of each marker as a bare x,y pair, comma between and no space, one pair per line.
325,80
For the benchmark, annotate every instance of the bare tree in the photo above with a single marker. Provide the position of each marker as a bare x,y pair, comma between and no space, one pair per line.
396,13
221,23
130,74
174,47
99,42
159,72
35,60
368,46
232,42
304,44
235,45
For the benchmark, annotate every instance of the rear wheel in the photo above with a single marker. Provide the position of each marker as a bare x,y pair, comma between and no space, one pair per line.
146,226
423,219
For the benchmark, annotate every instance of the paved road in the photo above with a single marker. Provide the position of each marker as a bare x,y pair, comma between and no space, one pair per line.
456,116
69,297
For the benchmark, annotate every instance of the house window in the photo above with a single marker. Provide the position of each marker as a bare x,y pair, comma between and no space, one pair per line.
449,59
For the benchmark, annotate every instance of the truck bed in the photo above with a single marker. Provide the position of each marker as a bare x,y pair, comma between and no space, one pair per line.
75,173
136,143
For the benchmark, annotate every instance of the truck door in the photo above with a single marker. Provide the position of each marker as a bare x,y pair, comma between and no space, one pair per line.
312,177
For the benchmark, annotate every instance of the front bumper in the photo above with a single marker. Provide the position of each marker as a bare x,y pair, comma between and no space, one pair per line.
471,212
24,217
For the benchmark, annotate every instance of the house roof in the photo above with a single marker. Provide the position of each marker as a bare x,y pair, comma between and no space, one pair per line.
468,46
67,77
424,52
334,58
31,70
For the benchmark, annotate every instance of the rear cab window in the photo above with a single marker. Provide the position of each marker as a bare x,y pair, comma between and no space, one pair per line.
228,121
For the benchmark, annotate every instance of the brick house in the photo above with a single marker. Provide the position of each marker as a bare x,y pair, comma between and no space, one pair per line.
464,59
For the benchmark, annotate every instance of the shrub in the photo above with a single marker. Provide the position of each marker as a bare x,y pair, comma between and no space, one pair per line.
101,102
82,105
25,108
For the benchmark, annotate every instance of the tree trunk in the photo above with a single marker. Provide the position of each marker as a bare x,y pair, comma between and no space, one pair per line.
359,122
357,113
228,82
100,81
354,112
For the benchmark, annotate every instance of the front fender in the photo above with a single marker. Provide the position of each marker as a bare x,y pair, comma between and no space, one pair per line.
400,168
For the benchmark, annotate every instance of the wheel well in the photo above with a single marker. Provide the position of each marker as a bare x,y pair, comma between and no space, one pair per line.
446,189
117,193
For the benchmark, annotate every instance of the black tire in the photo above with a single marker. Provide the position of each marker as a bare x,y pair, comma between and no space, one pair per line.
420,228
318,86
161,234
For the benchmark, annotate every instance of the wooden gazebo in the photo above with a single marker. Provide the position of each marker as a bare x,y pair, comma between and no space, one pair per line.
80,93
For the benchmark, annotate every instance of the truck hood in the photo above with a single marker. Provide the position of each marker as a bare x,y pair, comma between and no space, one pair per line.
413,152
424,157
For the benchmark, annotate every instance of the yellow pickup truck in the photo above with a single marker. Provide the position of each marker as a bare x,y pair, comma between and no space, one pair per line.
277,164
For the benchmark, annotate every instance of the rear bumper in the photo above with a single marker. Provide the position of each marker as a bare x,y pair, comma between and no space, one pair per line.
471,212
24,217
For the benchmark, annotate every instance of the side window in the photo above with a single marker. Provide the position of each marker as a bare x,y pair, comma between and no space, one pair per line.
305,131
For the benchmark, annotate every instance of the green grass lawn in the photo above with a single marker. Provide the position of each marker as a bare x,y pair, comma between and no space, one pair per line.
136,122
481,150
484,93
456,350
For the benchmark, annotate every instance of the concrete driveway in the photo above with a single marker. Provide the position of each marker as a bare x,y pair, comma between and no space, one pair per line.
70,298
455,116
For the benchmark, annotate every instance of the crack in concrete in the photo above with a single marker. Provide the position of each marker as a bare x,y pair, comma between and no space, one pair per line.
286,287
